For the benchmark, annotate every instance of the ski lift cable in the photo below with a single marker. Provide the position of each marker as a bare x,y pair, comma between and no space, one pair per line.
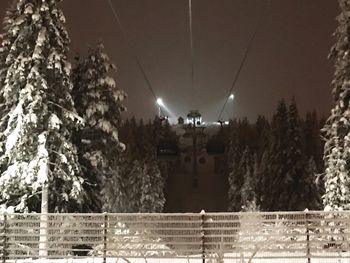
191,49
246,53
126,40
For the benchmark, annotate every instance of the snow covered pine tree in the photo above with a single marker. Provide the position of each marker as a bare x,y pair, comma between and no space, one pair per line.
37,151
280,179
141,187
99,101
337,128
247,168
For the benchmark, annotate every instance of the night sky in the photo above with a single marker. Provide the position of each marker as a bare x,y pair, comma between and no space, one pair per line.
288,58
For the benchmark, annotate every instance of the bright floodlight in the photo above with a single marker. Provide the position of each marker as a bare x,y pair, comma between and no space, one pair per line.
160,102
232,96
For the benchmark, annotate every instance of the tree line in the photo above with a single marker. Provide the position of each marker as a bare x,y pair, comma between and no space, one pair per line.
274,165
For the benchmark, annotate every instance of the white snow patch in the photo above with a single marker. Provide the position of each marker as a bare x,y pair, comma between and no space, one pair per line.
104,56
67,67
44,7
32,118
19,21
105,126
122,146
84,141
15,30
54,122
36,17
102,107
12,137
110,82
43,157
28,9
63,158
41,37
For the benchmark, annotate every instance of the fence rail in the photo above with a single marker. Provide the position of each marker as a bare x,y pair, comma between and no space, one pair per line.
201,237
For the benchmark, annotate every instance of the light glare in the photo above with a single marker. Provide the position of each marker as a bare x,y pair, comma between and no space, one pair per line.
160,102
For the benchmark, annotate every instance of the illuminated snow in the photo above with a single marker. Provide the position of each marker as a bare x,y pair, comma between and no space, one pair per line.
43,157
54,122
13,137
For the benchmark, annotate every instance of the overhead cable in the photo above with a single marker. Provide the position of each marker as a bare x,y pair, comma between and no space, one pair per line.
191,50
246,53
126,40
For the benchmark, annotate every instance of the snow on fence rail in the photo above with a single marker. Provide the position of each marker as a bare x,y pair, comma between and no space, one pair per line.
203,237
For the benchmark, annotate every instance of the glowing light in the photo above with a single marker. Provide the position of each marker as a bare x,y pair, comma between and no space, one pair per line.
165,111
232,97
160,102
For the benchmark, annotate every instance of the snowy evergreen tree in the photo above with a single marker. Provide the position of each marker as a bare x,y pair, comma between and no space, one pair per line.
7,58
264,180
127,134
37,151
242,136
281,180
235,180
153,182
99,101
152,188
297,162
119,195
228,134
310,195
284,178
261,136
140,189
312,139
249,166
141,184
238,197
246,135
337,128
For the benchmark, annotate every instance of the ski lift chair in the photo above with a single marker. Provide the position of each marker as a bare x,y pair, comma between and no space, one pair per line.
167,150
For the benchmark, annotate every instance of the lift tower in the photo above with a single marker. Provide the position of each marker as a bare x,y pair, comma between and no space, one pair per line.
194,119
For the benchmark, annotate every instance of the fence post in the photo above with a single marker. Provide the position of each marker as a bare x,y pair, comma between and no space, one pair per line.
105,222
203,235
44,223
4,241
307,237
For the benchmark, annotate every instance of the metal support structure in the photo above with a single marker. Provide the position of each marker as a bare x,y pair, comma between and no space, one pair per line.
105,227
307,238
43,239
4,241
194,116
203,235
195,171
